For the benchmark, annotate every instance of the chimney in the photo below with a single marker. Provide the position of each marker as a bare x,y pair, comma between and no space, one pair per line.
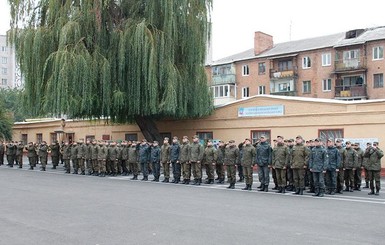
262,42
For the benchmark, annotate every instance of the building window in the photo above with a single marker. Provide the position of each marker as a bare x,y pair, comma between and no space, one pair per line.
378,80
261,90
245,70
90,138
334,134
24,138
378,53
4,81
222,70
39,138
306,87
4,49
326,85
106,137
221,91
4,71
205,135
285,65
131,137
53,137
351,54
306,62
256,135
261,68
4,60
326,59
284,87
245,92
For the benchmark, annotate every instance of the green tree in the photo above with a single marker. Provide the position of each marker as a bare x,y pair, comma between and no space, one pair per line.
5,123
12,99
128,60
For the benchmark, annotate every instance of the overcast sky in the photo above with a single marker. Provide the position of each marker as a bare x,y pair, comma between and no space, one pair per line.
235,21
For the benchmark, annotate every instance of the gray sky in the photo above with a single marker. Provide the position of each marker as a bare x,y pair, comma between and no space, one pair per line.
235,21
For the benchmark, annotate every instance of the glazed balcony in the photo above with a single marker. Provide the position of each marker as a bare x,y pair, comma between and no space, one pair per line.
222,79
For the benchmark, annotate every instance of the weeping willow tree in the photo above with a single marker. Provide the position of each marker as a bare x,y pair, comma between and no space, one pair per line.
127,60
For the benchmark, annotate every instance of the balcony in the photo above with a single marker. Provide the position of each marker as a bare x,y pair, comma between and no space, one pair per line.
285,93
351,92
284,74
342,66
222,79
283,87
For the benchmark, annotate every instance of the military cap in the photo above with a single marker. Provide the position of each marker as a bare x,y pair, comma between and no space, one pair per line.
263,136
375,143
317,140
368,143
221,141
175,137
299,137
280,137
338,141
330,140
195,137
348,143
166,138
357,143
232,141
291,140
185,137
247,139
156,142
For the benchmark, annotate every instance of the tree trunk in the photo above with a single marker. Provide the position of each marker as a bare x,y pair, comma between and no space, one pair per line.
149,129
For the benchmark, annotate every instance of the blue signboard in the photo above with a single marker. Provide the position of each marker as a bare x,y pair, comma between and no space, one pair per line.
261,111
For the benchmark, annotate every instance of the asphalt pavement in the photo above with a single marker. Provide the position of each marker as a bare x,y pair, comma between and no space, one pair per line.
56,208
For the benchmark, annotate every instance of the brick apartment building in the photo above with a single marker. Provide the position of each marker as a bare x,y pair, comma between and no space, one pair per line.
343,66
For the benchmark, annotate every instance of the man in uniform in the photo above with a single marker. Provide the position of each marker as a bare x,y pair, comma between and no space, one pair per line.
11,153
133,160
144,158
66,153
298,162
358,172
334,163
102,158
19,154
32,155
248,161
317,165
289,171
155,160
55,152
374,168
81,155
174,159
124,155
231,158
184,160
263,161
350,166
94,148
340,171
112,153
88,156
196,156
280,159
365,166
165,159
43,155
2,151
74,157
209,159
219,165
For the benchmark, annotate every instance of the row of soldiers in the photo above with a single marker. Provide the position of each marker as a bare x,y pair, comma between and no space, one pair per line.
291,162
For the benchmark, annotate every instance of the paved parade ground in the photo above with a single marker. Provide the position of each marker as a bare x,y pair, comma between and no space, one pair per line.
56,208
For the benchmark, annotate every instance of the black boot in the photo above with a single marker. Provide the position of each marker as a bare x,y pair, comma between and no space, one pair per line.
333,192
232,186
316,193
31,168
54,167
301,191
187,182
377,192
266,189
371,192
135,177
366,185
275,187
83,173
222,181
263,187
166,180
347,189
297,191
199,181
283,190
279,190
321,193
173,181
246,188
229,187
260,186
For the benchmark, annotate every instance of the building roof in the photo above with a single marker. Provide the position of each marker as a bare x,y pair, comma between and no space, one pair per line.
303,99
334,40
